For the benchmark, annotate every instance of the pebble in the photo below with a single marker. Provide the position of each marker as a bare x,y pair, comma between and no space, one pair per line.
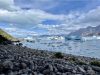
18,60
23,66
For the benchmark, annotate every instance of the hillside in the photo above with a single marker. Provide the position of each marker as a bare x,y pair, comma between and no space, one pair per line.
6,36
89,31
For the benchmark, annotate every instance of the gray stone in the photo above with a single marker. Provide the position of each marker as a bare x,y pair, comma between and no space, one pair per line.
35,73
8,64
67,68
49,66
81,70
16,60
55,69
40,74
46,72
78,74
23,74
74,71
2,74
58,73
11,73
91,72
63,73
95,68
23,65
60,67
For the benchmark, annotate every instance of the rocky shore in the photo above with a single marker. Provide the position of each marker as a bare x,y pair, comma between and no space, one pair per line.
18,60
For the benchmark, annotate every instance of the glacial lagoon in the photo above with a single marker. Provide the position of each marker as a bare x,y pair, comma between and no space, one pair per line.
89,48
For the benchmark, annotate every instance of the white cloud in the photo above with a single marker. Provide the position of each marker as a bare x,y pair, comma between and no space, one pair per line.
74,21
27,17
92,17
17,32
8,5
18,17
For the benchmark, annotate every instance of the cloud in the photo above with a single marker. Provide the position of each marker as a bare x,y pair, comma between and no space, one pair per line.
34,18
27,17
8,5
75,20
17,32
24,18
37,4
92,17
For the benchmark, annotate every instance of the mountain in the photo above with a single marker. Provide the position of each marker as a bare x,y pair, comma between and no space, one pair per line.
6,37
89,31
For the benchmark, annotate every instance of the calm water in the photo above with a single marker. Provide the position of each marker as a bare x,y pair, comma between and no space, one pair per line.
89,48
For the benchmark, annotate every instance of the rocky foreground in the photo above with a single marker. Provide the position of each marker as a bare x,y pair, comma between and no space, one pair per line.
17,60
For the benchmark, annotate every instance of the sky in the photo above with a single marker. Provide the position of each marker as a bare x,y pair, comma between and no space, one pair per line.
39,17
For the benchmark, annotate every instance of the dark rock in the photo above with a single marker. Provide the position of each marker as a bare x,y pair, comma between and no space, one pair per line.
55,69
60,67
49,66
46,72
23,65
18,60
95,68
8,64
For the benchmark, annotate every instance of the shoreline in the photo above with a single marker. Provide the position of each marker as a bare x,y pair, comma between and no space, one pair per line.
22,60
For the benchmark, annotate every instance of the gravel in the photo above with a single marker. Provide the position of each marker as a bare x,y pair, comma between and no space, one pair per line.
18,60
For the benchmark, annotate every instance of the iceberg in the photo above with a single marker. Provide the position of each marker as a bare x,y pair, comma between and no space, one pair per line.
90,38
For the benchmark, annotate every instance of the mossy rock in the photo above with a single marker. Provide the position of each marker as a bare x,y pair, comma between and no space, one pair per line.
81,62
58,55
95,63
6,37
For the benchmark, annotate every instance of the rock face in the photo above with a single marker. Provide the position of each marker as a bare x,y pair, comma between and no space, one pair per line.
3,40
89,31
17,60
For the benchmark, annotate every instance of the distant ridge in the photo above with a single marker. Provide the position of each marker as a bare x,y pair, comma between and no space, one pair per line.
89,31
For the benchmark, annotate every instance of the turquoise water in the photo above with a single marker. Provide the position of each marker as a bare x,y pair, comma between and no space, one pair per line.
90,48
